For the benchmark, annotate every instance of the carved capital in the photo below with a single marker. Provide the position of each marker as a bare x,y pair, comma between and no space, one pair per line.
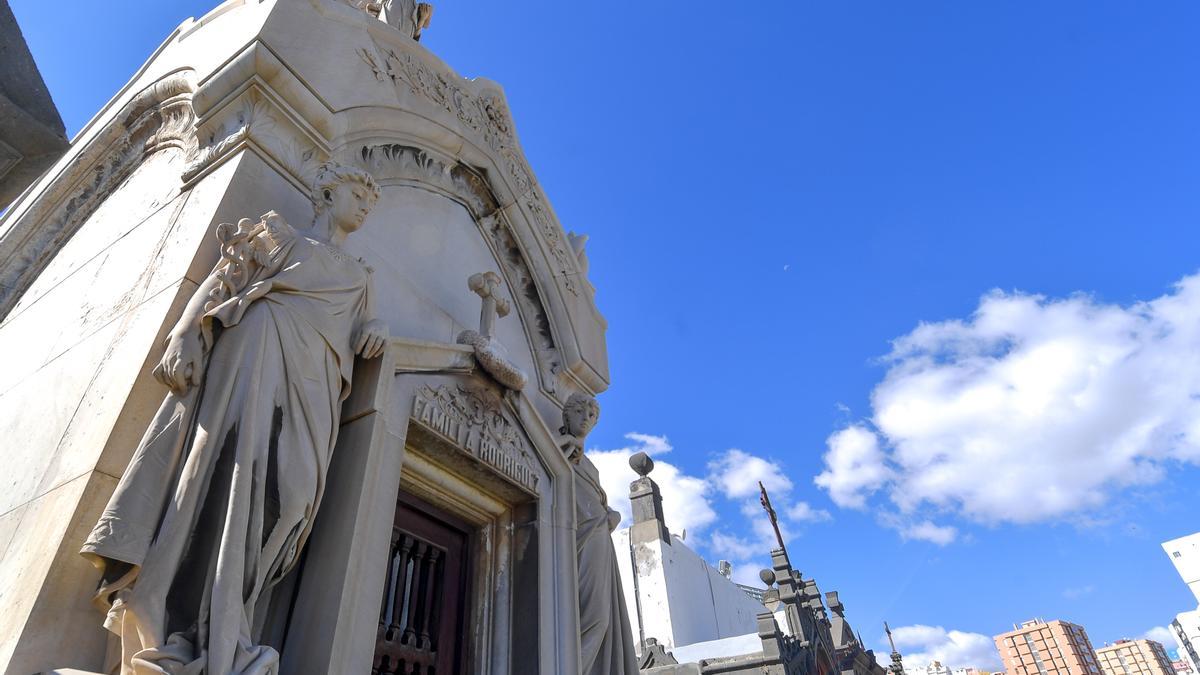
253,119
160,117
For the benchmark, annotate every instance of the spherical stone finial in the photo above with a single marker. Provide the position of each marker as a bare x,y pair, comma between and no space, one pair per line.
642,464
767,576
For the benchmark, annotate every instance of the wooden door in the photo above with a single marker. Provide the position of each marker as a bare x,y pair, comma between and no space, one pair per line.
422,621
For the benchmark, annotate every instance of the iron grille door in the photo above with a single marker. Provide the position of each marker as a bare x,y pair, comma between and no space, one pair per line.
424,602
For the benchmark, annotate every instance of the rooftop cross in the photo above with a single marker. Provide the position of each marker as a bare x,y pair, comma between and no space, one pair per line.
766,504
897,667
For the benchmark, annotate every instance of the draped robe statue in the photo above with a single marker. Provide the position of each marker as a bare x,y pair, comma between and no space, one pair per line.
220,495
606,639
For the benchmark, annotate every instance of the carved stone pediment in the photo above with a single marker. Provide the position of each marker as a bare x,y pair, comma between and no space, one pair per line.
485,116
471,420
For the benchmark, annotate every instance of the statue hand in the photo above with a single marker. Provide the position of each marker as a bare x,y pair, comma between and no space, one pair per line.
372,339
181,363
614,519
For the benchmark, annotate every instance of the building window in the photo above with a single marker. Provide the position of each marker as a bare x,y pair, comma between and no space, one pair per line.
1176,554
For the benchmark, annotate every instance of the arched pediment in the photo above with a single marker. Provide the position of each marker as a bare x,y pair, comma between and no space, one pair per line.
398,164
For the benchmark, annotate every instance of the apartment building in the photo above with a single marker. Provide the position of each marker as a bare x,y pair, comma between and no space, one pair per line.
1134,657
1040,647
1184,553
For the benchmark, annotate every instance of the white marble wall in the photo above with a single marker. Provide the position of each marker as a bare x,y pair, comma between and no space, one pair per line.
683,599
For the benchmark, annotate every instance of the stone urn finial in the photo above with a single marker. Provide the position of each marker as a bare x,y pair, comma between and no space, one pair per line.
642,464
767,576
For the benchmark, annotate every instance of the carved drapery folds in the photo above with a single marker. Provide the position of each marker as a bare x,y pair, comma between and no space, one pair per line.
158,118
486,116
470,419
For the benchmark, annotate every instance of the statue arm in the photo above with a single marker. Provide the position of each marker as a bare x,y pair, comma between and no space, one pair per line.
247,250
181,363
371,336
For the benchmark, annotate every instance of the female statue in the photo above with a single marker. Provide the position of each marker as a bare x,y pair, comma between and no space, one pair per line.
220,495
605,639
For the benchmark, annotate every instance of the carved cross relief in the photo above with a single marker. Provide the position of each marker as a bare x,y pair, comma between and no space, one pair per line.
485,285
489,352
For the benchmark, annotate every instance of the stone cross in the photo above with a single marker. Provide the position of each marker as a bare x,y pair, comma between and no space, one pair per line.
485,285
766,504
897,667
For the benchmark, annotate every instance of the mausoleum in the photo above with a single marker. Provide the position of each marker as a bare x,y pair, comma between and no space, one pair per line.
297,354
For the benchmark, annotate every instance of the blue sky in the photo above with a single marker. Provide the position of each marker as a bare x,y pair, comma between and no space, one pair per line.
778,196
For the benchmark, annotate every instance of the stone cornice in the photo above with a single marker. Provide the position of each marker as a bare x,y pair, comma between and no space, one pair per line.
159,117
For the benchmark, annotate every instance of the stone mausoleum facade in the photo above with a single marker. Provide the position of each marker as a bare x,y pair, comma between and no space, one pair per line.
298,355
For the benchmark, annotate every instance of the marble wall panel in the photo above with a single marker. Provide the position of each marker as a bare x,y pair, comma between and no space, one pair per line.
88,340
148,190
63,412
64,628
24,565
424,246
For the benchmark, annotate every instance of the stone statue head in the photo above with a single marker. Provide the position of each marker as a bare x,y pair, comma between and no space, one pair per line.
580,414
347,194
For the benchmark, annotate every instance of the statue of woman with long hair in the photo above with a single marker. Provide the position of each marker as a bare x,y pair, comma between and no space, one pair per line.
220,495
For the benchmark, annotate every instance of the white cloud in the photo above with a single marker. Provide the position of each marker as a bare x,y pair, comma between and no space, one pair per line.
1161,635
650,444
921,644
803,512
746,572
1032,409
685,498
731,547
688,500
737,473
855,467
931,532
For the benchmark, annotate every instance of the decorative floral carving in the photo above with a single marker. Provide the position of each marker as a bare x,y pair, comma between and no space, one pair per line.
487,115
251,119
402,162
471,419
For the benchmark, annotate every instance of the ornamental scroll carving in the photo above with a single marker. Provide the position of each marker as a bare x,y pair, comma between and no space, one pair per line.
253,119
488,117
470,419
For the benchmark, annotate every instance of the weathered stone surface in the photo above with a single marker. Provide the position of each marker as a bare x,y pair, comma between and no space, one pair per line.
31,132
230,119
